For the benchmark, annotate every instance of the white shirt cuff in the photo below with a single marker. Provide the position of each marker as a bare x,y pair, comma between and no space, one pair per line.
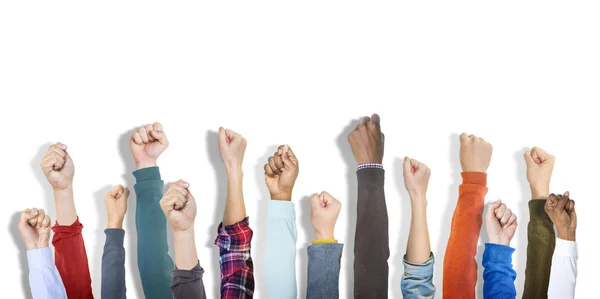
565,248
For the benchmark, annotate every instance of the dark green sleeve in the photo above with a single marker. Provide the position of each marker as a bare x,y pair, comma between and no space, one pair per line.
540,247
154,262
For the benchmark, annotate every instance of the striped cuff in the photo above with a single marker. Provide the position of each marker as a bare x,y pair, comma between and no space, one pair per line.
370,165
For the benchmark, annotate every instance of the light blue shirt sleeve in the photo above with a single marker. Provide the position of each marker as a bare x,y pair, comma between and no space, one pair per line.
280,259
44,280
417,280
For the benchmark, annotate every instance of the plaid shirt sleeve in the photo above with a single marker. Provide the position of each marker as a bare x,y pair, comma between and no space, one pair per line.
237,269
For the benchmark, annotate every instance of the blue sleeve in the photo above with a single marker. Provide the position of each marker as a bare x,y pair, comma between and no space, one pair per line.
113,265
324,270
417,280
280,258
44,280
498,274
154,262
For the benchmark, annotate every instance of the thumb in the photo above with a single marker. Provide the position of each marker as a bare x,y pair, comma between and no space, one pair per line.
490,214
329,200
406,167
222,136
287,156
160,136
529,159
315,201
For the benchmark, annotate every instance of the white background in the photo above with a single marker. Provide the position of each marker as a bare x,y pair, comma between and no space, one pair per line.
517,73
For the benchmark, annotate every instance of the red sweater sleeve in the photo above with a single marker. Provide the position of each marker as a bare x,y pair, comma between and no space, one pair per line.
460,267
71,260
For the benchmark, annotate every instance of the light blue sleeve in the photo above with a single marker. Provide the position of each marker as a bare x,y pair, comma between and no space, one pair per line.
280,259
417,280
44,280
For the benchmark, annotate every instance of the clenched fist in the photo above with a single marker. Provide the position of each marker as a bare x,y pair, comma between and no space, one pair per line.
115,200
281,172
147,143
539,171
232,147
416,178
475,153
324,212
58,167
500,223
366,141
35,227
561,210
179,206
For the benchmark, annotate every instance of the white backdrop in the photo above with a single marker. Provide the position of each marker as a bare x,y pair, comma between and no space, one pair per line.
517,73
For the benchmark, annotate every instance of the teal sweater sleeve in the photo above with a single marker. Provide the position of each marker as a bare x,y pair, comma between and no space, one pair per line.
280,259
498,274
154,262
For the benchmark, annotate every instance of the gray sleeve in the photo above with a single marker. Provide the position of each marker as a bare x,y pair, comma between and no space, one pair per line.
113,265
324,270
188,283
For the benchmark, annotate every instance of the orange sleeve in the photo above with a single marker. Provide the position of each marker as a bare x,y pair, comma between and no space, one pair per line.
460,267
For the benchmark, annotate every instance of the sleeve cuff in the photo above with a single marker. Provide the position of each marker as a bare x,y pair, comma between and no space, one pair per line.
537,210
281,209
324,241
565,248
419,270
40,257
369,165
195,272
115,236
235,237
76,227
497,254
476,178
147,174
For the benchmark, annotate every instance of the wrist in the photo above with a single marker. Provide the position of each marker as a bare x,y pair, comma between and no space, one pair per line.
281,196
233,169
115,223
324,235
145,164
66,190
185,233
539,193
417,197
566,234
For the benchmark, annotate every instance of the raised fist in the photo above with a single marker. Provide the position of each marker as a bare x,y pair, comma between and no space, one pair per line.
366,141
324,211
231,148
539,171
58,167
561,210
35,226
475,153
281,172
416,177
115,200
179,206
500,223
147,143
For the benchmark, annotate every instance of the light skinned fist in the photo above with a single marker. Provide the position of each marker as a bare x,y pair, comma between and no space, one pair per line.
281,172
500,223
475,153
147,143
324,212
35,226
366,140
115,200
539,171
179,207
561,210
58,167
232,147
416,178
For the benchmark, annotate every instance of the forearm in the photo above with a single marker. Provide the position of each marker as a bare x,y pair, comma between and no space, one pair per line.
44,279
418,249
235,209
460,268
324,270
540,246
65,206
154,262
186,256
371,247
280,258
113,265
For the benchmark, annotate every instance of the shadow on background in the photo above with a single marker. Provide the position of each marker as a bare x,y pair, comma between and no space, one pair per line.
129,221
402,239
212,147
13,229
523,219
350,203
95,256
303,206
261,221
